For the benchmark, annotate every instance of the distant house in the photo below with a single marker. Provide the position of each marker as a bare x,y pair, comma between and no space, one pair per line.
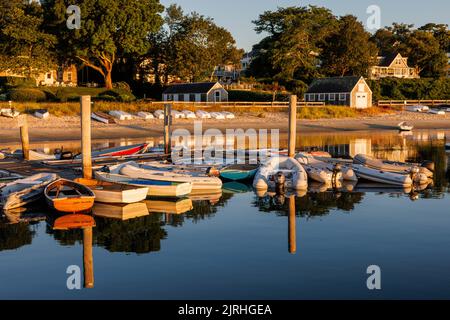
393,66
62,76
196,92
343,91
227,74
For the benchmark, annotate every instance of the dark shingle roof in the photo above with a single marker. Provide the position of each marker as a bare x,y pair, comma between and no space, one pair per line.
387,60
199,87
333,85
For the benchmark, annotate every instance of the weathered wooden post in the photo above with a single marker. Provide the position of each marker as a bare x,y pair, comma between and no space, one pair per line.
292,124
24,138
88,258
86,136
292,228
167,124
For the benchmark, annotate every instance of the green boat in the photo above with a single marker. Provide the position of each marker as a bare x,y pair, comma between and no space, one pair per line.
239,172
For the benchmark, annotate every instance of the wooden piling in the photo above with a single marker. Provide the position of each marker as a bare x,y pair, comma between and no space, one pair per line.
24,138
88,258
86,136
167,124
292,228
292,124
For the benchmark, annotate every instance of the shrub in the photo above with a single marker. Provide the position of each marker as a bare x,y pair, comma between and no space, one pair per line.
14,82
255,96
26,95
122,85
119,95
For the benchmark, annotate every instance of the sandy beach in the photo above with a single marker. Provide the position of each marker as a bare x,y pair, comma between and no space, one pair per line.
68,128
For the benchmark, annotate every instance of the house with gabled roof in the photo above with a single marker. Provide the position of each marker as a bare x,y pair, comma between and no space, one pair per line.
196,92
341,91
393,66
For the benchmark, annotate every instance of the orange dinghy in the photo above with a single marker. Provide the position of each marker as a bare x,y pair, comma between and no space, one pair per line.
68,196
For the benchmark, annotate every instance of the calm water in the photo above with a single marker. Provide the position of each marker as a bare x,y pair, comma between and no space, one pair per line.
239,247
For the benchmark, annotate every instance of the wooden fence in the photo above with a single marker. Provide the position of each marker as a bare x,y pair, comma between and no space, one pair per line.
237,104
401,103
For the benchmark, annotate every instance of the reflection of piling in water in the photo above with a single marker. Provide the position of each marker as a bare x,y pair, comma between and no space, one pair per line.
292,228
88,258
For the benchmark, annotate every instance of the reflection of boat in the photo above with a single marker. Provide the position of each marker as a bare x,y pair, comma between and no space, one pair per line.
239,172
102,117
404,126
381,187
114,193
212,197
71,221
296,176
171,207
23,191
236,187
120,211
68,196
200,183
156,188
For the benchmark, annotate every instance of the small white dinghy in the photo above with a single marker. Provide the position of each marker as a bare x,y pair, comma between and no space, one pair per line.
177,115
382,176
42,114
217,115
107,192
9,113
318,173
295,174
414,108
145,115
21,192
159,114
103,117
156,188
436,111
36,156
200,183
228,115
203,114
404,126
346,171
189,114
120,115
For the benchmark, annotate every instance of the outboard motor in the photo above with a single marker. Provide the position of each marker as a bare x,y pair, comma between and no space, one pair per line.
429,165
67,155
337,168
213,172
105,169
280,181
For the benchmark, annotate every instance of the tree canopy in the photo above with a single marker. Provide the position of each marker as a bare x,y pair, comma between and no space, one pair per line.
109,29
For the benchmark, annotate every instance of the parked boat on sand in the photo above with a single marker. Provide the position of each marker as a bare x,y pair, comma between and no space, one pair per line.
103,117
404,126
21,192
68,196
42,114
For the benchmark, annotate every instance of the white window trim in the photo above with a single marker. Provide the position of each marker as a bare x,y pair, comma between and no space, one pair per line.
321,96
342,96
332,96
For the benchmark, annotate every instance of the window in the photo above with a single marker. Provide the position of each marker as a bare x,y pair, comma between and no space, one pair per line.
69,76
342,96
331,96
311,97
49,75
321,96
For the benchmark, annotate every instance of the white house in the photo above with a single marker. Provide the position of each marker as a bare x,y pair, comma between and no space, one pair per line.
196,92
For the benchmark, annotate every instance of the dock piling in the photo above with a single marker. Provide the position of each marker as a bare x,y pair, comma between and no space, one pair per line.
85,102
167,124
292,125
24,138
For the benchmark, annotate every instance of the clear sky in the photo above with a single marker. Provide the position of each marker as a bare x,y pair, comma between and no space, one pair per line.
237,15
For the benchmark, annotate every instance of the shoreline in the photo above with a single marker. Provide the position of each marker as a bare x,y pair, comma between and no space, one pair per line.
68,128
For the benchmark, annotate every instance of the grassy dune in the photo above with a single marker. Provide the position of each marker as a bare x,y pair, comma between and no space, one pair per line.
60,109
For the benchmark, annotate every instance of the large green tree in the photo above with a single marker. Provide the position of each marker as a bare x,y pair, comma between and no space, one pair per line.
348,50
25,45
296,37
110,29
190,46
